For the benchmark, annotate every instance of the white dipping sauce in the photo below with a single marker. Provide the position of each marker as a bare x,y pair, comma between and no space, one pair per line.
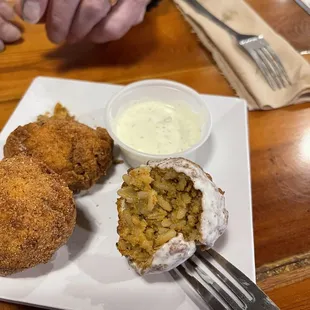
159,128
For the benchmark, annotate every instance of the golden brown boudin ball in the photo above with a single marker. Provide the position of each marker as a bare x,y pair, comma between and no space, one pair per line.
37,213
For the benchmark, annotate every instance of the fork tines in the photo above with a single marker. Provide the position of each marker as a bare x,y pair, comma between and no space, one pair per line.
232,291
265,58
267,61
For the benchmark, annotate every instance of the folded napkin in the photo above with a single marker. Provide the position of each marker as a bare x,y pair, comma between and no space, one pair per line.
237,67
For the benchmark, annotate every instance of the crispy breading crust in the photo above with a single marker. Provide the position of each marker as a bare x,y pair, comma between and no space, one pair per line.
80,154
37,213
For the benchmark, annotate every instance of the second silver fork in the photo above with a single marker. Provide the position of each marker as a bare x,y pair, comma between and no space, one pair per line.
256,47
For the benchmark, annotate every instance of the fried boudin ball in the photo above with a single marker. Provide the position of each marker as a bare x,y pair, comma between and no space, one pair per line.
80,154
166,209
37,213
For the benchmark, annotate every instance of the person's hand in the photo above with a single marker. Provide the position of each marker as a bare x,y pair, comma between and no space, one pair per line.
9,33
73,20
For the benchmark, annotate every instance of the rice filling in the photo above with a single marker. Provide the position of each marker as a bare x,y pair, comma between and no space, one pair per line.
156,205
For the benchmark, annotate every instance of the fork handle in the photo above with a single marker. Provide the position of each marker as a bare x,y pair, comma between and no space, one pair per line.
203,11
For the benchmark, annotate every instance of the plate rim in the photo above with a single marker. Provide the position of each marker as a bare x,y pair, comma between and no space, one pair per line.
237,101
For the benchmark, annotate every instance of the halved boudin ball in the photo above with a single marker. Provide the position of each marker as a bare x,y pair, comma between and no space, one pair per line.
166,208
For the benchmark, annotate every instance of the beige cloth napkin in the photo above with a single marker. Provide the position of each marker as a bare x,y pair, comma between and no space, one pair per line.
237,67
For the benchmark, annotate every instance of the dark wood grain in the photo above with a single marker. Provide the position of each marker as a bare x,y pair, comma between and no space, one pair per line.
287,18
280,158
164,47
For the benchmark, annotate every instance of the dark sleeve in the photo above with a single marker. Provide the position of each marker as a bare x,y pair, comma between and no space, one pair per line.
153,4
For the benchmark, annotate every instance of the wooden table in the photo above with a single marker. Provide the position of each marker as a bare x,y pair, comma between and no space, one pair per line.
280,140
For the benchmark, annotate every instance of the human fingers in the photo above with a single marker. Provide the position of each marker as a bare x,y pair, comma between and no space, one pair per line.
6,10
118,22
8,32
59,19
31,11
89,13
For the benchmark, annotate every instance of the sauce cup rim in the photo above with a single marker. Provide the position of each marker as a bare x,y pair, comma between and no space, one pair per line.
157,82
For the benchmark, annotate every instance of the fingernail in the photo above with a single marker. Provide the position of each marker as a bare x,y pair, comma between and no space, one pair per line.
12,34
56,38
31,11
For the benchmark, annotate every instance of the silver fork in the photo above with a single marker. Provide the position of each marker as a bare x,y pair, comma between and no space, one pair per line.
221,293
256,47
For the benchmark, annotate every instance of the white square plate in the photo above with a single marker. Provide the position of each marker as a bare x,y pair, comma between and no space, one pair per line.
89,273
